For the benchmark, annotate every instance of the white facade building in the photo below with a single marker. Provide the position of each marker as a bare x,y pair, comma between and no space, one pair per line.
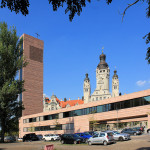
102,83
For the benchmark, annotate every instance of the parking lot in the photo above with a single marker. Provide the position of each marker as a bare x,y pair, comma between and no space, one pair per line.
141,142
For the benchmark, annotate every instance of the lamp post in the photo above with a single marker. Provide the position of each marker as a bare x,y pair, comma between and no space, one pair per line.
117,119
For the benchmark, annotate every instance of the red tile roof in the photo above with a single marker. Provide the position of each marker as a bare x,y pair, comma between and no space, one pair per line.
69,102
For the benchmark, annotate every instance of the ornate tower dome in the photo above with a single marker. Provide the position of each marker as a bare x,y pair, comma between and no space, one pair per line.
102,64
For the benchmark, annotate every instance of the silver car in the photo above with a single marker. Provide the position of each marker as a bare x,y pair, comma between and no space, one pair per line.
120,136
102,138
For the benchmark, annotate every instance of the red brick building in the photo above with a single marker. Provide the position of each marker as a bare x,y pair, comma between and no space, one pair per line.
33,75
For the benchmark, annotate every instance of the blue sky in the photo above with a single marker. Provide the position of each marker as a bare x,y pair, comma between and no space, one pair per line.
72,49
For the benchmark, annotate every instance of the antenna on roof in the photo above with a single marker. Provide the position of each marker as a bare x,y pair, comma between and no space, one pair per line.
37,35
102,49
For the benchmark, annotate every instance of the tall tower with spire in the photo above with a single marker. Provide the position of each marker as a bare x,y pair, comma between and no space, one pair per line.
102,80
115,85
86,89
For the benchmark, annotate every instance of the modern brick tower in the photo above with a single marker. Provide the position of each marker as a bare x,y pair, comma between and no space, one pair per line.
32,74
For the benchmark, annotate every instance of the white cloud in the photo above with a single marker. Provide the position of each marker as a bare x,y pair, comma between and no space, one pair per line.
141,83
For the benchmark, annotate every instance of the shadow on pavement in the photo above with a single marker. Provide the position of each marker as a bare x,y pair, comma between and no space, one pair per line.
143,148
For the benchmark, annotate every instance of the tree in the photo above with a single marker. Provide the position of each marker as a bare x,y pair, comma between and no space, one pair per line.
11,61
16,5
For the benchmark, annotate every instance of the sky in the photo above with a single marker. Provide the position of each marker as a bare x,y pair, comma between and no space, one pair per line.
72,49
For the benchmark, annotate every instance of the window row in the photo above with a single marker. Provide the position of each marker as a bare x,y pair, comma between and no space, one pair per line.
50,128
96,109
109,107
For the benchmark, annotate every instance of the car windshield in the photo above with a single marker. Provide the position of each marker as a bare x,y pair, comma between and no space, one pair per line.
116,132
86,133
110,133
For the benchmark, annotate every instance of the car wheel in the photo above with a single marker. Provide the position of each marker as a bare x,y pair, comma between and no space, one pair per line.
105,143
52,139
62,142
148,131
121,138
90,143
135,134
75,142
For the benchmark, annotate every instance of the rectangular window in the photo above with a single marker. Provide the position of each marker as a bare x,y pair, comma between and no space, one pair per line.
24,121
77,112
146,100
117,106
25,129
84,111
112,106
46,117
104,108
99,108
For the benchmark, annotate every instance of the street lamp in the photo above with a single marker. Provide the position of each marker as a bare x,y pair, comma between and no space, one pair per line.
117,118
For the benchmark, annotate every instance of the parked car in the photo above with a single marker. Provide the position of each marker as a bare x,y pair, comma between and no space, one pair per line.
85,136
90,132
40,136
102,138
120,136
30,137
131,131
20,139
51,137
148,130
8,139
71,138
141,129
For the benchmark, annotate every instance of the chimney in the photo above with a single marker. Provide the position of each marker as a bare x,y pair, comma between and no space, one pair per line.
78,98
65,99
69,99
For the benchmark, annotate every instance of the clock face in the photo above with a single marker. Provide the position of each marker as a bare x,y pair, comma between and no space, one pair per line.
100,82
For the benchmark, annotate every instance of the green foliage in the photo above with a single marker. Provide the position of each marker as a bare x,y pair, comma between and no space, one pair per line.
11,61
148,49
16,5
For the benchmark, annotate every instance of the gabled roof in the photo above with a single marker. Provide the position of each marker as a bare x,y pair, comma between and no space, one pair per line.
69,102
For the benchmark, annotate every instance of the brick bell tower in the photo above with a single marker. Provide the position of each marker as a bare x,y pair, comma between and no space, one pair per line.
32,74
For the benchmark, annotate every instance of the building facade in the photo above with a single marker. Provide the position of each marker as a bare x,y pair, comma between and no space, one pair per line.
54,103
126,110
32,74
102,83
98,111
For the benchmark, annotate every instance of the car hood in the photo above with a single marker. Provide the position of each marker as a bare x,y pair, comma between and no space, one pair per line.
125,134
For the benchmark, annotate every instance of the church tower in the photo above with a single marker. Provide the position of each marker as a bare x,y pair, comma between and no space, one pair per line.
102,75
86,89
115,85
102,80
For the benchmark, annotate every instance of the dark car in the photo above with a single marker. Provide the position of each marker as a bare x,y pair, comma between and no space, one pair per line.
140,129
85,136
40,136
90,132
30,137
131,131
71,139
